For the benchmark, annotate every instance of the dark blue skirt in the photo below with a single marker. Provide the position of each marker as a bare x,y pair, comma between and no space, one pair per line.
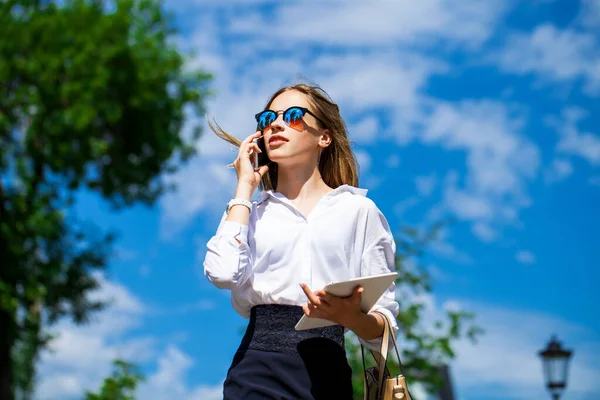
274,361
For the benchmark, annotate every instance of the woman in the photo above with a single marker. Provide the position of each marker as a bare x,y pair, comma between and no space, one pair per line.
311,226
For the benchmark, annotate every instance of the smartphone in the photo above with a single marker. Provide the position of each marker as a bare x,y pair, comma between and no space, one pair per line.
261,159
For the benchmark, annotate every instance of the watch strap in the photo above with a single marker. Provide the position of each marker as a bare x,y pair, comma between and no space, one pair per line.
241,202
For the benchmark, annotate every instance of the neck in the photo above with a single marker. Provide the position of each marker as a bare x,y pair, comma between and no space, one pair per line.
301,183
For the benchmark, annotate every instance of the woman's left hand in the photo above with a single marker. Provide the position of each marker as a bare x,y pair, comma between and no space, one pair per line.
341,310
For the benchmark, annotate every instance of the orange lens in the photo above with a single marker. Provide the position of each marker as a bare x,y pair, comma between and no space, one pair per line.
293,118
265,119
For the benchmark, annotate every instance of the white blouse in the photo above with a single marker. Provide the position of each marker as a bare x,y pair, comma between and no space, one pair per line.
345,236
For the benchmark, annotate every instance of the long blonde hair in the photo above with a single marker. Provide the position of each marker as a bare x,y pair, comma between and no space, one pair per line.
337,164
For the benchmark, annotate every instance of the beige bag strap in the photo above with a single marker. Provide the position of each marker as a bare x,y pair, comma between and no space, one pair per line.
381,356
383,350
393,336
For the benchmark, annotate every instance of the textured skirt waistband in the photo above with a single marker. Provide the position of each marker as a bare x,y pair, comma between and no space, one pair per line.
271,328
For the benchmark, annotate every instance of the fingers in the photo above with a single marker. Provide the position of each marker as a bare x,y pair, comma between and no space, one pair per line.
254,147
250,138
311,296
247,149
262,171
248,145
306,310
356,297
357,292
323,296
312,310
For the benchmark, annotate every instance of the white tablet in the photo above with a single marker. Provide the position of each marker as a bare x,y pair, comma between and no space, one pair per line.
373,287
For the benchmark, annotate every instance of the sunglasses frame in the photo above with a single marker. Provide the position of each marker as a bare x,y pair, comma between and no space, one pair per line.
303,109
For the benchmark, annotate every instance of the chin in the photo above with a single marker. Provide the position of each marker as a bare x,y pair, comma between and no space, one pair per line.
278,156
280,160
288,161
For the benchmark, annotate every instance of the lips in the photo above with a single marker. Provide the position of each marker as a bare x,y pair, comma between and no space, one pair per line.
275,139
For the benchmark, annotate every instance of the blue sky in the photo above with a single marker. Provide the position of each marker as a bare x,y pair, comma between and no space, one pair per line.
483,112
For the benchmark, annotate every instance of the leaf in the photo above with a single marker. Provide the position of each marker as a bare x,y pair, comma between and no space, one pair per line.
121,384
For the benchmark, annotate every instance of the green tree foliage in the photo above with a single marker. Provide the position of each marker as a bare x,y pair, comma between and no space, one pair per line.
92,97
121,385
424,345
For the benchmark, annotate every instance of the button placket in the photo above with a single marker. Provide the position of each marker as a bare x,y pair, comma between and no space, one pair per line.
306,257
310,222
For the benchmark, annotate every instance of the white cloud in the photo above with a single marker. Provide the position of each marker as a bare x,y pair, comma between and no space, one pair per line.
426,184
170,367
438,274
65,373
468,206
120,299
81,356
365,130
200,305
500,160
193,5
555,54
168,382
123,254
384,22
525,257
573,141
558,170
204,392
499,157
403,206
484,232
450,252
205,183
376,78
364,161
443,248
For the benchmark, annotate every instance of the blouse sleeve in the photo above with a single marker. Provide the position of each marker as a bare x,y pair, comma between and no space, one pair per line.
379,257
228,262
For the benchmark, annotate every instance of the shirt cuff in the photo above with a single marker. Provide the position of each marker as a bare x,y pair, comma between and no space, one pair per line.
235,230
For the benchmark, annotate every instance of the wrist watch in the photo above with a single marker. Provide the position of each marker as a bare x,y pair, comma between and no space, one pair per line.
235,202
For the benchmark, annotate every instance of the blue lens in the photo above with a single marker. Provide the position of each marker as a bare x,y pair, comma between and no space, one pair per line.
293,117
265,119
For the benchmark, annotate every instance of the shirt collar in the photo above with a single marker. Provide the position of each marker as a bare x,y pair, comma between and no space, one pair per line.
265,194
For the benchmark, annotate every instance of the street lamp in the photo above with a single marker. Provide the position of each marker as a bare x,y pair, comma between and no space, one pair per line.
556,366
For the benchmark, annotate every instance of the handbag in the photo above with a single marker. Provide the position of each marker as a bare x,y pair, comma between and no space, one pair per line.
378,384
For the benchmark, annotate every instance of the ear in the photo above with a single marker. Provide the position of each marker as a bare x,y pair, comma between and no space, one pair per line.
325,139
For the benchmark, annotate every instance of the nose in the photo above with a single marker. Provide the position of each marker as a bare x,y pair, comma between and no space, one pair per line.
278,124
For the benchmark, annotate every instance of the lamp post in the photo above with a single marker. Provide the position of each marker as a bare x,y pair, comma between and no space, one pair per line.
556,367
